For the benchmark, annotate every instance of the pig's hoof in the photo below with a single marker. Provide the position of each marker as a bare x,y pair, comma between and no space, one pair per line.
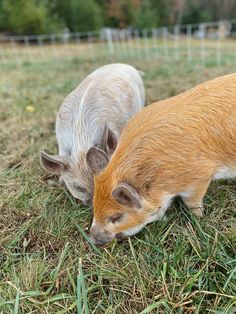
197,211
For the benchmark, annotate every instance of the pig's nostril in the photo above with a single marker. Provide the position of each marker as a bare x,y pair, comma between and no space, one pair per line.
120,237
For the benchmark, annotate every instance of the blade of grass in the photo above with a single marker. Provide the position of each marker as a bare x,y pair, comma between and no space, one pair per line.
81,292
229,278
154,306
55,274
137,266
17,302
87,238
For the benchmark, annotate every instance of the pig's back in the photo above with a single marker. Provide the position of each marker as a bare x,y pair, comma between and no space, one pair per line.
116,87
110,95
196,121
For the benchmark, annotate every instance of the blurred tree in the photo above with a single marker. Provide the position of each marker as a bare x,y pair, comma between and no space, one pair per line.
102,4
27,17
177,11
145,16
44,16
152,13
2,16
119,13
162,9
195,13
220,9
128,12
79,15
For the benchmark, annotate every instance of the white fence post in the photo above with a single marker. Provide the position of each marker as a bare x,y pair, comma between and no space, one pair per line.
78,41
118,46
40,44
176,36
109,41
27,47
126,42
13,47
189,42
77,37
137,43
218,45
2,57
119,40
202,34
154,41
65,36
164,40
145,40
90,43
129,42
132,43
53,44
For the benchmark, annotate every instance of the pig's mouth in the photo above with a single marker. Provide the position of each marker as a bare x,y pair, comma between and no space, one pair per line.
105,242
120,237
87,203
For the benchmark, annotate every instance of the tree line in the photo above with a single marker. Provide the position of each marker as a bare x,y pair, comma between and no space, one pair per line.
48,16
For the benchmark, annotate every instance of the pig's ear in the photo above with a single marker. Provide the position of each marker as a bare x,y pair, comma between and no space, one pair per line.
108,142
127,195
53,164
96,160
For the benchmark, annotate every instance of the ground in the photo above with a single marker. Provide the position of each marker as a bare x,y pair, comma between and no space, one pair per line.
181,265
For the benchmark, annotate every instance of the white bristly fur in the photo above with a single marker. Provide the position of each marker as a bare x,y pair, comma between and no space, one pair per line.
110,96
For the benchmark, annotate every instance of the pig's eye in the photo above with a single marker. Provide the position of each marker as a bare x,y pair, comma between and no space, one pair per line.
79,188
116,218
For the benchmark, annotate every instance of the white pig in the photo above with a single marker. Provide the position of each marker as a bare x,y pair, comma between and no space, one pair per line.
93,115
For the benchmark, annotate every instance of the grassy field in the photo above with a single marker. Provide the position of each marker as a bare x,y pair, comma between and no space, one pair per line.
181,265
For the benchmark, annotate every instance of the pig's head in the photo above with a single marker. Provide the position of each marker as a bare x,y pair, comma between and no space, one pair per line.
122,208
121,213
76,170
119,208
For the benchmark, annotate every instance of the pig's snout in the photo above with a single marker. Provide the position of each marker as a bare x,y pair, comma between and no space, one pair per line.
100,237
88,203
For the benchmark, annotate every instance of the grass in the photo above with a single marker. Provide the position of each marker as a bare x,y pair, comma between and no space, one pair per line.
181,265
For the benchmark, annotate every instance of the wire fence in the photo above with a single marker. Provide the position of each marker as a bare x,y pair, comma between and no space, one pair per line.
201,43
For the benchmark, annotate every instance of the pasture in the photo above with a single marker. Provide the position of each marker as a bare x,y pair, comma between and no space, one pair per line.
181,265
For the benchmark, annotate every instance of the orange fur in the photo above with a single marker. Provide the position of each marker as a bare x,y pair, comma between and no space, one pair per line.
172,147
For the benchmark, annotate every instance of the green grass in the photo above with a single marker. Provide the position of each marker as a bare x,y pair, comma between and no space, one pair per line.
47,264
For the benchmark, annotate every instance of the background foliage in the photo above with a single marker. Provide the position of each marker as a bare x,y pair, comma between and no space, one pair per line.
45,16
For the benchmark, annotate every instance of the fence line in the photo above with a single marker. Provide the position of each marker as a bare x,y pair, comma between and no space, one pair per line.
205,42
